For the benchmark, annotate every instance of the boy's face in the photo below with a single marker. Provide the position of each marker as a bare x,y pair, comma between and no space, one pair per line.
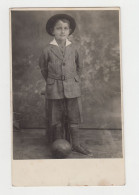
61,30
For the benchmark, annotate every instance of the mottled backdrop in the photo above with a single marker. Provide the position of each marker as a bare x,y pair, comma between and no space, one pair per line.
97,34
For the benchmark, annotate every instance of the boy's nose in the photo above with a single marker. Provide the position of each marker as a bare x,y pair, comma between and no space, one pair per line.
63,30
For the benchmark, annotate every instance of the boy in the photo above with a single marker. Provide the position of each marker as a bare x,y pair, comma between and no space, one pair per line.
61,68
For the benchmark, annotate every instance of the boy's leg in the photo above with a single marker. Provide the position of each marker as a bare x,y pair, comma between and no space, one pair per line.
58,132
76,145
55,117
74,119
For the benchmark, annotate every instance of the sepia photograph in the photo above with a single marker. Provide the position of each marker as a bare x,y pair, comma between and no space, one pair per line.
66,97
66,84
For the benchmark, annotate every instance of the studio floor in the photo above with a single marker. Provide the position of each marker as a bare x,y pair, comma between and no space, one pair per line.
32,144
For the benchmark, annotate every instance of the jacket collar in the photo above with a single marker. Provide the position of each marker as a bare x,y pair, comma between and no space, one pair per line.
53,42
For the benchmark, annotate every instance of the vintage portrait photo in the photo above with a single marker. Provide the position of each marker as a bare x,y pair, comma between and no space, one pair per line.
66,84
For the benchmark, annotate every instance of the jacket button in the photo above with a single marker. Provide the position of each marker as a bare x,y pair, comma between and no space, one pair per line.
63,64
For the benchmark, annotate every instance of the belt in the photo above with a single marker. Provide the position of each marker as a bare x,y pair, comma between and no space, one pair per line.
61,77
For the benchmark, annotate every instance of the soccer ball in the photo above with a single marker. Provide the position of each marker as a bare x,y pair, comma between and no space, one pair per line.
61,148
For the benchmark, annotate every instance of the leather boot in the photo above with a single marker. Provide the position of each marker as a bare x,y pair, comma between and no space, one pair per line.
76,146
58,132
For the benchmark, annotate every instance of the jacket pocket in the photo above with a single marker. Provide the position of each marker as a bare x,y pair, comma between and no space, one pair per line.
77,79
50,81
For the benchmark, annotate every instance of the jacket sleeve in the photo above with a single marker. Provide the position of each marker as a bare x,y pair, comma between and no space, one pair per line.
43,64
79,62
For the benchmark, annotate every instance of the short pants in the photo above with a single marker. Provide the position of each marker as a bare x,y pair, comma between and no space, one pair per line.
59,108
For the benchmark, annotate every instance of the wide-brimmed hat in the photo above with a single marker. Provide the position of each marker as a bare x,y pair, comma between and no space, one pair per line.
51,22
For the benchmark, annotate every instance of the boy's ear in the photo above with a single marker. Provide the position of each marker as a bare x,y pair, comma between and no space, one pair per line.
52,31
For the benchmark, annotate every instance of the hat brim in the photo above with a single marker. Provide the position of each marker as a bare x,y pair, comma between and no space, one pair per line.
51,22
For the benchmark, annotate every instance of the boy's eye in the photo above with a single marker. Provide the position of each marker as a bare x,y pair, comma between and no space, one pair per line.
60,28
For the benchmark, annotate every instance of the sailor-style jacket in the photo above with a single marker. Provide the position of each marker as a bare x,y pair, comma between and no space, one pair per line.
61,71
